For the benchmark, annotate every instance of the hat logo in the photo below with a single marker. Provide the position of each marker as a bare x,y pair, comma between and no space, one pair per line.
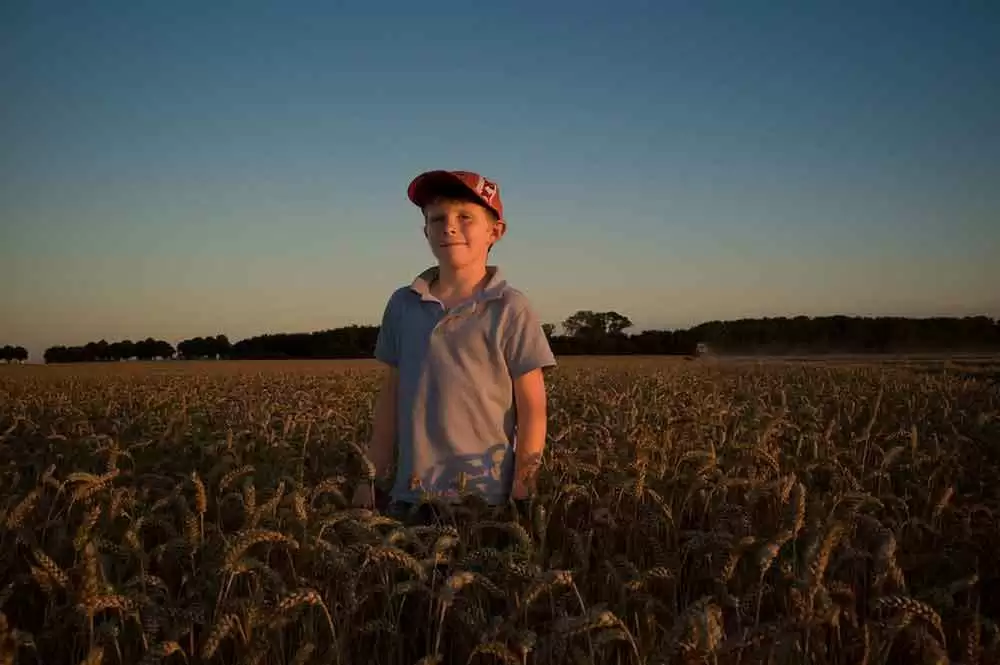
488,190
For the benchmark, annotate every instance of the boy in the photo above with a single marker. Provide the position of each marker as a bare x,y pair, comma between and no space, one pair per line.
465,353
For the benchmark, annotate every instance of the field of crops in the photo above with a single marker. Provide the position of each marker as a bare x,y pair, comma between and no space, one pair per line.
691,512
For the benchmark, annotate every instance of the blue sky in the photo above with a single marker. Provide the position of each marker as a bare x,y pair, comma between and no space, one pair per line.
176,169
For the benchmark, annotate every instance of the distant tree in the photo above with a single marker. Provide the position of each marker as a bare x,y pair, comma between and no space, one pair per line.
591,324
55,354
98,351
222,346
20,354
205,347
162,349
615,323
7,353
187,348
149,349
580,321
124,350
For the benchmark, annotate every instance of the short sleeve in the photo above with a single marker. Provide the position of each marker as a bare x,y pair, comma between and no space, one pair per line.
526,347
387,342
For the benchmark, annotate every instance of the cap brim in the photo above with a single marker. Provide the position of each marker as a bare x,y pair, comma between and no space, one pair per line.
426,185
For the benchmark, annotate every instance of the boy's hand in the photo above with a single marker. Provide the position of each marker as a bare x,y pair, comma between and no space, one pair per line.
520,492
522,508
363,496
521,497
525,484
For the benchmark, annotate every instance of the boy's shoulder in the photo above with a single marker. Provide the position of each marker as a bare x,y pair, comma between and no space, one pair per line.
400,293
514,300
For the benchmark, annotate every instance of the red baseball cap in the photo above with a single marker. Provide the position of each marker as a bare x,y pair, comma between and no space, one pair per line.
426,185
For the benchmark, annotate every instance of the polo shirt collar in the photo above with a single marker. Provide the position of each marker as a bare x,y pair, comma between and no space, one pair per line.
496,284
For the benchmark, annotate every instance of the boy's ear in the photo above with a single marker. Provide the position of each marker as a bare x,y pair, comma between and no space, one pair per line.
499,229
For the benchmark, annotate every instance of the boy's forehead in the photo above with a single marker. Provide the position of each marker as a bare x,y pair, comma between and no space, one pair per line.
445,204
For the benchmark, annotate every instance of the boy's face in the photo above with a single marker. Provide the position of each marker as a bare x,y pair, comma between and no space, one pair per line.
460,232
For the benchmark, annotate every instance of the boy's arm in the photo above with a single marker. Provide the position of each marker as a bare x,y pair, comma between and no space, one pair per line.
382,444
369,494
527,352
529,397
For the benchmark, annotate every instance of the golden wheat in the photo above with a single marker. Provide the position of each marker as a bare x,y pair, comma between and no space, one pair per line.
686,512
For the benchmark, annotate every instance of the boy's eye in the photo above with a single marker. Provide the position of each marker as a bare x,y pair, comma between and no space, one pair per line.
441,220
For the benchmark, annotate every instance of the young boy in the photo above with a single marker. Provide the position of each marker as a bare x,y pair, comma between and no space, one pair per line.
463,400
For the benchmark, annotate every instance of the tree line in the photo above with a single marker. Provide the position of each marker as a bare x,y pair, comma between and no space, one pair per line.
102,351
9,354
783,336
590,333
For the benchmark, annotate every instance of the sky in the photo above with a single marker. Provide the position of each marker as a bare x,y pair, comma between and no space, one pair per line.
173,169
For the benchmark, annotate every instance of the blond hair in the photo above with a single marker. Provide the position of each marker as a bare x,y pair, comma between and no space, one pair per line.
460,195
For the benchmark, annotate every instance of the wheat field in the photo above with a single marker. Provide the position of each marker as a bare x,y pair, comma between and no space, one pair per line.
689,512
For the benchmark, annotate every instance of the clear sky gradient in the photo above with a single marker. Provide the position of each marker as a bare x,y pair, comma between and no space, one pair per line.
173,169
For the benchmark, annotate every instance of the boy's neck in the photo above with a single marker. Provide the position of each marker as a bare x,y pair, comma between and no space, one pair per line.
459,283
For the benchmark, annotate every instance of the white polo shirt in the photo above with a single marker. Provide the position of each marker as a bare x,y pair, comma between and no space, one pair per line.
455,410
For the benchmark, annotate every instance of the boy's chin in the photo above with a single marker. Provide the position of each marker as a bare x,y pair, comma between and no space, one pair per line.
457,259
